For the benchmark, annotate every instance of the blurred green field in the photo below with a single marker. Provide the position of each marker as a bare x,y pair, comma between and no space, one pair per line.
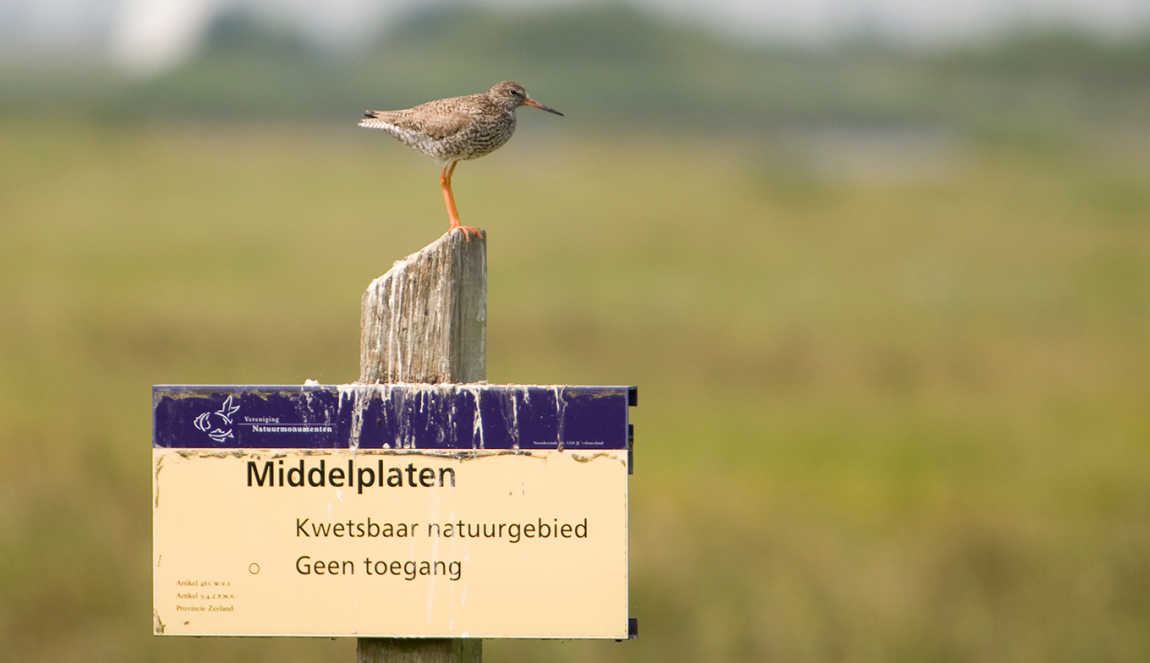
882,418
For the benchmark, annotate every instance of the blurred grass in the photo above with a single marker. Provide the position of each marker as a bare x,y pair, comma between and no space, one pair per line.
894,419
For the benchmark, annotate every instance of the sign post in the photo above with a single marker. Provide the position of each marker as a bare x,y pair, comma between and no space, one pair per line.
419,518
397,511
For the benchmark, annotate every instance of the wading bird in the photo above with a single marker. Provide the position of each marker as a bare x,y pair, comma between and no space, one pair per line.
457,129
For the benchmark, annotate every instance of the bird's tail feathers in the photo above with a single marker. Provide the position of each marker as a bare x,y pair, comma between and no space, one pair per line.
372,120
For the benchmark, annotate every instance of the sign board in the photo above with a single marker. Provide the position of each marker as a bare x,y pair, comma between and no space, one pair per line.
391,511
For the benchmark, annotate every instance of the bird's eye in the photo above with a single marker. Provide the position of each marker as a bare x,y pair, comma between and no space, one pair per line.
515,92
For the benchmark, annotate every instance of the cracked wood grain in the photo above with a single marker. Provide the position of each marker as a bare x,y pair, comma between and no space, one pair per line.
425,320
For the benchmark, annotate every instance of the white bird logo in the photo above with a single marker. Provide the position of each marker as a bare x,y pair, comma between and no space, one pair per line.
218,431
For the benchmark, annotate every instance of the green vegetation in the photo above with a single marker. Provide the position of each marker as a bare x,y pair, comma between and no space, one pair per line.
618,68
889,314
881,419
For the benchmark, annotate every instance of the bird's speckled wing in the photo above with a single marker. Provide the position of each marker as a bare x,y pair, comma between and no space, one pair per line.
436,126
447,130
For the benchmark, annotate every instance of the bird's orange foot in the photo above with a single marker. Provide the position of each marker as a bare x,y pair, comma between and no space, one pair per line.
467,230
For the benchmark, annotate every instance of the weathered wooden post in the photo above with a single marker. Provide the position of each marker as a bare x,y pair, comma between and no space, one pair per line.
425,320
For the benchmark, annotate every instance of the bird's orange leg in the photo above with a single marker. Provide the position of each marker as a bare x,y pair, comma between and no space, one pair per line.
452,213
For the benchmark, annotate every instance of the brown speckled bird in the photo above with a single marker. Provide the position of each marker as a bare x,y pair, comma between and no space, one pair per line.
457,129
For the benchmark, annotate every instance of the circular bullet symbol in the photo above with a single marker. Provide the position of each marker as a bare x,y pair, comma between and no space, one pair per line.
254,568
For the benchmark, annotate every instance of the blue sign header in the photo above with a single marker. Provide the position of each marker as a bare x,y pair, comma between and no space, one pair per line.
398,416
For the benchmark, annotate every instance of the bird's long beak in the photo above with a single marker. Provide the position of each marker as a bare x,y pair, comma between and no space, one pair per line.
535,104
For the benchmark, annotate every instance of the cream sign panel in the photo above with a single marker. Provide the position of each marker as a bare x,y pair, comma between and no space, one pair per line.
373,511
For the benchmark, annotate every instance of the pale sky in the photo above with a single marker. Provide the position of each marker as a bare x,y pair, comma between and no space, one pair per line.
149,35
